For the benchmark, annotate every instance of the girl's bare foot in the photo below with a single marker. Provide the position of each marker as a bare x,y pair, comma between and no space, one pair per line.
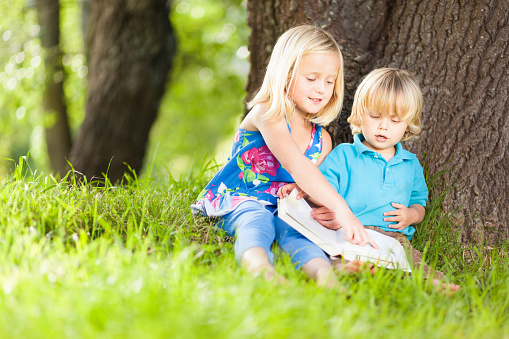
270,274
320,270
326,277
256,262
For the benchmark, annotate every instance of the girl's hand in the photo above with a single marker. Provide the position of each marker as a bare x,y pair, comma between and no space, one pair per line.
404,216
355,231
287,189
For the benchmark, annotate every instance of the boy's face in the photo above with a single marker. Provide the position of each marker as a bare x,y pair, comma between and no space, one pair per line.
382,132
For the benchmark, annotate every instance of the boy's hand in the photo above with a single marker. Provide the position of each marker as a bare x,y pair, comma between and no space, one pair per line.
326,217
404,216
287,189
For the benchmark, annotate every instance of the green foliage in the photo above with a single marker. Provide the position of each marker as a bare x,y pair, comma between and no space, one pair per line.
202,105
22,77
21,80
131,261
205,98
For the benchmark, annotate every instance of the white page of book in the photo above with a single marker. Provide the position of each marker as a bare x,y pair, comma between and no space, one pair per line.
390,254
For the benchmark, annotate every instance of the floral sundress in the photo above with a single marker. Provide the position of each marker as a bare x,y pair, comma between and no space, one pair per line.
252,172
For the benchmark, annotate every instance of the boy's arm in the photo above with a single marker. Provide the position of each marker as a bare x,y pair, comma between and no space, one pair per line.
325,217
405,216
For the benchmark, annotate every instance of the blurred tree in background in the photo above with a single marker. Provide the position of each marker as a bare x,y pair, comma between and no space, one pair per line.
58,136
130,45
199,110
205,101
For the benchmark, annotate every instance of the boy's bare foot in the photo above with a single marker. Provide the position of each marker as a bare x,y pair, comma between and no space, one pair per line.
354,266
447,289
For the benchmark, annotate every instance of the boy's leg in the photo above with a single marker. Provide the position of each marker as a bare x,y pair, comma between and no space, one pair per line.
416,256
437,278
253,227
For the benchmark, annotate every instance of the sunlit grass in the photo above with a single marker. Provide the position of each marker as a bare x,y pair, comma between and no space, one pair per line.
130,260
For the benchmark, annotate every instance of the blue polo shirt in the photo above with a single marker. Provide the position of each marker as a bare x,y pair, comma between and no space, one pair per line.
369,183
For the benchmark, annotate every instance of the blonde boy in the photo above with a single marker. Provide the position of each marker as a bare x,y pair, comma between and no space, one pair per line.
382,183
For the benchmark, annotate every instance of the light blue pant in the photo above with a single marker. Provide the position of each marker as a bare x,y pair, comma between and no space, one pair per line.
300,249
253,226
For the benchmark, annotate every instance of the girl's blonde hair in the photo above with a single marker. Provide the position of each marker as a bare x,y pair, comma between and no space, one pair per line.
388,91
283,66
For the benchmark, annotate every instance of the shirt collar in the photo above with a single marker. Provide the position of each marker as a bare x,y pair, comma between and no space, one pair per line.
361,148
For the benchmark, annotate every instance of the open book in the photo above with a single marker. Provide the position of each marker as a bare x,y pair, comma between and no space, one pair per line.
296,213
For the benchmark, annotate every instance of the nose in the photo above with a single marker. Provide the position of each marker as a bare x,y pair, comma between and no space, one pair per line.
384,124
320,87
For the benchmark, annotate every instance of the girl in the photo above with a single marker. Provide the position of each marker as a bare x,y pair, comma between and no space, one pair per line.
281,141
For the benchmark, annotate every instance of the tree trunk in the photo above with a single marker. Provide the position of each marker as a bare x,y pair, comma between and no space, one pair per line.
459,52
131,48
58,137
85,27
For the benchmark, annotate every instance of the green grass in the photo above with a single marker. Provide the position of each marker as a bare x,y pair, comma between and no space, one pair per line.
130,261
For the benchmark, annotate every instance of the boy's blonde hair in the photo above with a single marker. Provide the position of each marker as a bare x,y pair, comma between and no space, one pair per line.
388,91
283,66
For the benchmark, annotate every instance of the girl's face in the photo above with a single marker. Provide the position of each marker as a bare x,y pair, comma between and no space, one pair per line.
313,84
382,132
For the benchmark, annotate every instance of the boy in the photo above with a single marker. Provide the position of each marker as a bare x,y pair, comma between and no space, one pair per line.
382,183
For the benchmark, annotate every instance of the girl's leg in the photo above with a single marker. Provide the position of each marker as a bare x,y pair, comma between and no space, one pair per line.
304,253
253,227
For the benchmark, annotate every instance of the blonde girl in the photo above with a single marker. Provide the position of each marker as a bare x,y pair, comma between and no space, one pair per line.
281,141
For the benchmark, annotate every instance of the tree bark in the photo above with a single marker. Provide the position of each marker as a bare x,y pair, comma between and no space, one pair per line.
131,49
459,52
58,136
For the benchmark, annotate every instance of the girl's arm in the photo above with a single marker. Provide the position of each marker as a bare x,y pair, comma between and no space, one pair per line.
288,188
326,147
306,174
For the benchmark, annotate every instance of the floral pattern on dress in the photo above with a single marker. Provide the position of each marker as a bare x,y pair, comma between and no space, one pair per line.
274,187
252,172
256,162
